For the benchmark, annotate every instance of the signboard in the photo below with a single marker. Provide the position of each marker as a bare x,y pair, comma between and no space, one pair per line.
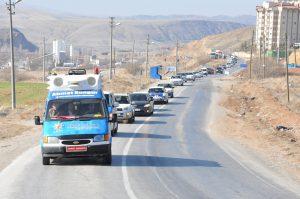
171,68
154,72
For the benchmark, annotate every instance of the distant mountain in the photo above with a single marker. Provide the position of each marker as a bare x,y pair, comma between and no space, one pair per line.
93,32
242,19
20,41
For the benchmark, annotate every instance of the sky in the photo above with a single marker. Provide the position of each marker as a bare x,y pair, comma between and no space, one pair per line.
146,7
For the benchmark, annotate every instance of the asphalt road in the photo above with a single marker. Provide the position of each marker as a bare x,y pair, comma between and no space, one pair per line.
168,155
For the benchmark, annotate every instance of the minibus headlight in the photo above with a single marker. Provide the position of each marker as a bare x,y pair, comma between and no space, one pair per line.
98,138
50,140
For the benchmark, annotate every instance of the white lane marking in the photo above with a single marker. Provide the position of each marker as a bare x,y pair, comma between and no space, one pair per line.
126,182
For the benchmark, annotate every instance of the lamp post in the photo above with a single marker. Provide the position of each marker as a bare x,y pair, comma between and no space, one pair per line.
11,8
112,25
177,56
147,56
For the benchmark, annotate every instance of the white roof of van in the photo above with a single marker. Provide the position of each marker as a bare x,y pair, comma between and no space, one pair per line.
74,82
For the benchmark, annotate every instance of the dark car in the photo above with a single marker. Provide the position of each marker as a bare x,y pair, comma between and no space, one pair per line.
210,71
183,76
142,103
219,70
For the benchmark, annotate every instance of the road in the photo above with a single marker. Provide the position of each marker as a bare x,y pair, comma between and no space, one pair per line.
168,155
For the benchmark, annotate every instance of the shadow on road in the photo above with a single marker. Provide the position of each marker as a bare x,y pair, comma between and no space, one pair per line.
163,115
143,135
138,161
181,97
175,103
149,122
154,161
162,110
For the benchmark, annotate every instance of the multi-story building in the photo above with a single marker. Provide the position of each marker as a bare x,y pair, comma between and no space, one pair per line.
274,20
59,50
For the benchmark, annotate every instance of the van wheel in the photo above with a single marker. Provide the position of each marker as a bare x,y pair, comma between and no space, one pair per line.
46,161
115,131
108,157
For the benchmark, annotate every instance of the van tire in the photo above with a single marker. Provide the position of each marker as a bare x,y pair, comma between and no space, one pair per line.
108,157
46,161
115,131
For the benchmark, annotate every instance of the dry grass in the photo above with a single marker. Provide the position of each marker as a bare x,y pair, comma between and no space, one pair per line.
125,82
253,113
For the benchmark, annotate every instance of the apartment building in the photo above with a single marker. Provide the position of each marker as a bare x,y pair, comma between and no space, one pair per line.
274,20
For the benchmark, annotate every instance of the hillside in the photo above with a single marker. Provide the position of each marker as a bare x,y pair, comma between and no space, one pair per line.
20,41
229,41
242,19
94,32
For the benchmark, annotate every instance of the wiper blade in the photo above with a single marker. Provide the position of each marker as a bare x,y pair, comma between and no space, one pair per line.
63,118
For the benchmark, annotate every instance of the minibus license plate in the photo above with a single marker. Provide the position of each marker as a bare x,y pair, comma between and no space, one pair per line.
71,149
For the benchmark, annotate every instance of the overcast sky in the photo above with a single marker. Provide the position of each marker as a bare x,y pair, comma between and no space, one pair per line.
146,7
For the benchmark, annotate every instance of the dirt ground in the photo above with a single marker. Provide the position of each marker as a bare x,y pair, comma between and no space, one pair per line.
257,116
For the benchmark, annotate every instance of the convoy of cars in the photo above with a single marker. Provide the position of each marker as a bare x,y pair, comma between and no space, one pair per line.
80,118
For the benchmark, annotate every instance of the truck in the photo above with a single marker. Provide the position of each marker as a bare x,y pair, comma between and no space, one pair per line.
76,119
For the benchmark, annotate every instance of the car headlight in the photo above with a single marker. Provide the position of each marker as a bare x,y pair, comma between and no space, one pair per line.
147,106
98,138
50,140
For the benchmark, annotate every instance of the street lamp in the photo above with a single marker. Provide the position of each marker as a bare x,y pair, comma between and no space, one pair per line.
112,25
11,8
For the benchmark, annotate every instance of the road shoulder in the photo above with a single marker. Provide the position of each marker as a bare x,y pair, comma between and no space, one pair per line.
248,149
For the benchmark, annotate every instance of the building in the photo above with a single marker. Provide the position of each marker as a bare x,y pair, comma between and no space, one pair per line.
59,52
274,20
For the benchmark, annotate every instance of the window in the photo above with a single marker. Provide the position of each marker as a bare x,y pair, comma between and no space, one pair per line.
71,109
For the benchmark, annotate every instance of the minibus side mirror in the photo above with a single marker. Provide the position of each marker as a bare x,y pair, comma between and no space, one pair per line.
113,119
37,120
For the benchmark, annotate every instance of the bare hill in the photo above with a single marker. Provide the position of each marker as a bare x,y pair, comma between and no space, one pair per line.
234,40
20,41
94,32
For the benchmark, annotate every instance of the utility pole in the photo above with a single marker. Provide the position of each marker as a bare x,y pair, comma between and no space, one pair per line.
287,68
260,55
147,58
10,8
251,56
264,65
132,55
278,55
111,47
295,52
114,61
177,58
44,59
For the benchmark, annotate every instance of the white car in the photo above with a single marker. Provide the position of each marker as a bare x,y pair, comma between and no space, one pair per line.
190,77
176,80
125,110
169,87
204,71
